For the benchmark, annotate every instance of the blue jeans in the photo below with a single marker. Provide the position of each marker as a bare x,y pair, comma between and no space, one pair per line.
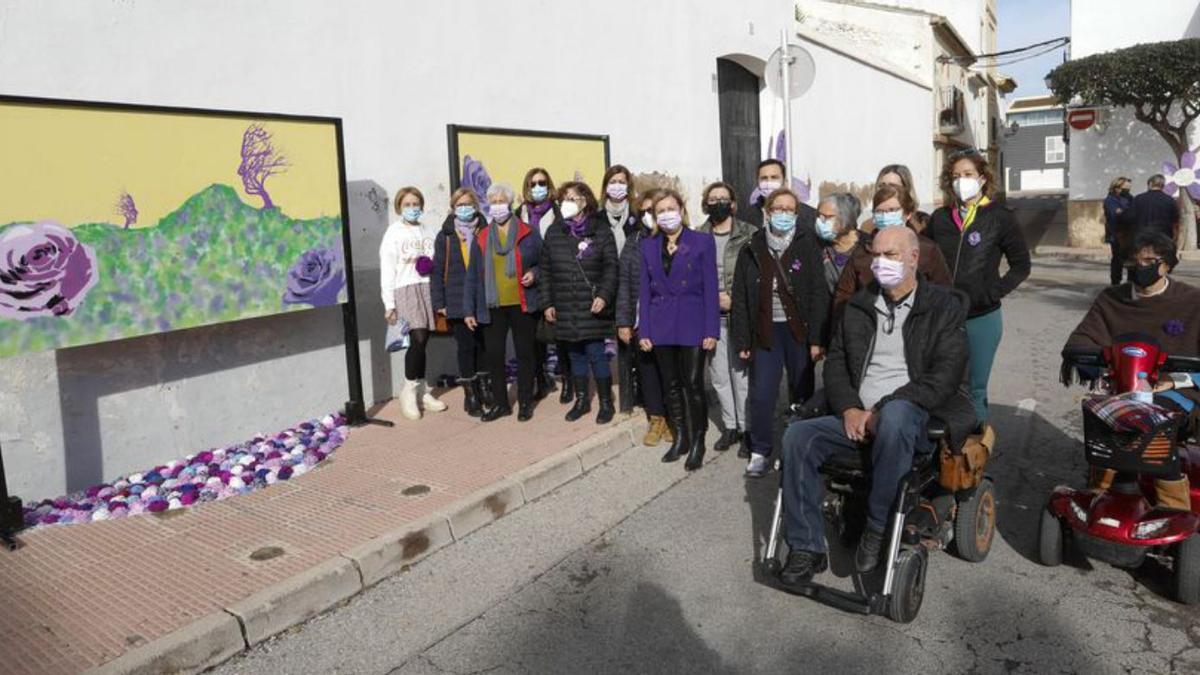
899,433
589,353
766,371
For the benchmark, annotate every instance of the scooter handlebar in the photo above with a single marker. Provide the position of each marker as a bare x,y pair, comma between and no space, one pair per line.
1181,364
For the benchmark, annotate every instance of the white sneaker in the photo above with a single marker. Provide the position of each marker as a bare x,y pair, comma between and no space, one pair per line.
757,467
429,402
408,401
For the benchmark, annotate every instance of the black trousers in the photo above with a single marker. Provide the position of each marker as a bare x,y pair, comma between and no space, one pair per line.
523,327
1116,266
682,370
651,381
469,348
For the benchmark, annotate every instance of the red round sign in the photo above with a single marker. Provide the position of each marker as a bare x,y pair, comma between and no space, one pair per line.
1081,119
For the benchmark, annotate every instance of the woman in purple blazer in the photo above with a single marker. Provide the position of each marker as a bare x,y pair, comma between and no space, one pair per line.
679,317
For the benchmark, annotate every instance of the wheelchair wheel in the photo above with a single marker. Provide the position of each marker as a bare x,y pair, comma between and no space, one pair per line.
975,524
1050,539
1185,582
908,590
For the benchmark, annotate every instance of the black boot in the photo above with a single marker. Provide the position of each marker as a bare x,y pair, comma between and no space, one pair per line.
698,424
866,558
487,400
566,392
583,402
496,407
605,394
524,407
543,384
471,396
676,412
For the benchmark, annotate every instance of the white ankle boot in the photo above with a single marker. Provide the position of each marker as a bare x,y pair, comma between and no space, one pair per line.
429,402
408,401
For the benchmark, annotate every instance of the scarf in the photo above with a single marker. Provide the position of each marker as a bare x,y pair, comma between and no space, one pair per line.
464,228
965,215
778,243
536,211
508,250
577,226
617,213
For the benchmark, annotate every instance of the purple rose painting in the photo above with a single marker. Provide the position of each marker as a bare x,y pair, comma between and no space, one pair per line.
315,279
44,271
476,177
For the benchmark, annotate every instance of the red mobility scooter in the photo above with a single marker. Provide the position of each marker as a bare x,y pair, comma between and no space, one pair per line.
1122,524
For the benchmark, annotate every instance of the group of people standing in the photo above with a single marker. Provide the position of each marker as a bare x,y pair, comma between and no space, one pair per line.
722,302
1126,217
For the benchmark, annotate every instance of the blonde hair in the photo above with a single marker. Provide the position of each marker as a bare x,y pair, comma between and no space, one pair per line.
781,192
464,192
406,191
668,193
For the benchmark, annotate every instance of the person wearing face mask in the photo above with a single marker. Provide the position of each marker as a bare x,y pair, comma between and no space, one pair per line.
628,287
975,234
891,207
579,279
448,291
726,370
837,230
1116,205
897,357
780,314
405,262
619,216
772,176
538,212
679,318
505,298
899,177
1165,309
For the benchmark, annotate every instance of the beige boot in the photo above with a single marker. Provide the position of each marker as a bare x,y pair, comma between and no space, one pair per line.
1099,479
1173,494
429,402
654,433
408,401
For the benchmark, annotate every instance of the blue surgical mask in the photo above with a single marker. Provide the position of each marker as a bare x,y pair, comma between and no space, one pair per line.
783,222
539,192
411,213
464,212
825,229
888,219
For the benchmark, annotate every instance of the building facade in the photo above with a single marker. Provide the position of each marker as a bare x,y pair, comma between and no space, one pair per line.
1035,148
1118,144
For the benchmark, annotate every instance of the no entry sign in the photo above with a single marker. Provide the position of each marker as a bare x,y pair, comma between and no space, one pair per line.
1082,119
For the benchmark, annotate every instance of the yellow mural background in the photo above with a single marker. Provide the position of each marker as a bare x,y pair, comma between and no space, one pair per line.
71,164
508,156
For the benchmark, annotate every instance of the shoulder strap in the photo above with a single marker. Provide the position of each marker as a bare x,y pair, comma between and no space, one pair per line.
446,263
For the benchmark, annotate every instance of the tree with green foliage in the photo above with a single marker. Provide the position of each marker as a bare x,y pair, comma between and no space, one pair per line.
1160,81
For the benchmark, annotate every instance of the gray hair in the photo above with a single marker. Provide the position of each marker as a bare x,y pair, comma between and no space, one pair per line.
501,189
848,207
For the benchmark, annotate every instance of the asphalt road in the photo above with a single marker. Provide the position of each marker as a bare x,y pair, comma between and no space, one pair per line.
637,568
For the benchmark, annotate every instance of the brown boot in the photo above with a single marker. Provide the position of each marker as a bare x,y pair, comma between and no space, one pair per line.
1100,480
1173,494
655,432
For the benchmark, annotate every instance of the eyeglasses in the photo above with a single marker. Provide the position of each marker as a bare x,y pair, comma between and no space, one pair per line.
539,183
889,320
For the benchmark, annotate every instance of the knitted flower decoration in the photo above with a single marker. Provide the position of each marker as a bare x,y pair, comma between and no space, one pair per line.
585,249
796,265
1184,177
1173,327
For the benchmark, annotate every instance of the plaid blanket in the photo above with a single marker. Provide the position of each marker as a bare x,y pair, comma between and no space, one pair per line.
1124,414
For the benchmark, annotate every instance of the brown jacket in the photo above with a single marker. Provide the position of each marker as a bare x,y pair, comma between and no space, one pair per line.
857,274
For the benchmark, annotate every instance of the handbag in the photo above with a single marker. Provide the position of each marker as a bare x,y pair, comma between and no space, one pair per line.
964,470
397,336
440,323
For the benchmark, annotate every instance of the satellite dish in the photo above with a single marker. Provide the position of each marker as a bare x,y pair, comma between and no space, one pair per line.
801,71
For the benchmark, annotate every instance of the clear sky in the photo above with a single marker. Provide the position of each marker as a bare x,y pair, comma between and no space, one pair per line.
1024,22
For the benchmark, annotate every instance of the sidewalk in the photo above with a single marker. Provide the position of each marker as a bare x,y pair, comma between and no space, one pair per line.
187,589
1103,254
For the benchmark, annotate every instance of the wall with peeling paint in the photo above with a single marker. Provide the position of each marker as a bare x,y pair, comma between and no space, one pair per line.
397,73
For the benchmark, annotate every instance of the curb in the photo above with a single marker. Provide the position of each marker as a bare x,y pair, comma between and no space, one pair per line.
215,638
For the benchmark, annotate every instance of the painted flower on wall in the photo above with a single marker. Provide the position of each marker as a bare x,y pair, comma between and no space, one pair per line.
315,279
476,177
1183,177
44,271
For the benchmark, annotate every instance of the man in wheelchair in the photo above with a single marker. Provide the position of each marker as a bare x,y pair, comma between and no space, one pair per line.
897,357
1166,310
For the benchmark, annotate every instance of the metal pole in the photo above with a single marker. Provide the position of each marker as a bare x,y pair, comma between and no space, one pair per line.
785,62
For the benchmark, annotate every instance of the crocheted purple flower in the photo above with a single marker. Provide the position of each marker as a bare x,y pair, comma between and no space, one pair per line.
973,239
796,265
1173,327
424,265
585,249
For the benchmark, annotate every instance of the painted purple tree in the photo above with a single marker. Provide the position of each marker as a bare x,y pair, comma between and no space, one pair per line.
260,161
127,209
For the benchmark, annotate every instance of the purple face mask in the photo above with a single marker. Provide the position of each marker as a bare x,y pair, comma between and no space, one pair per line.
499,212
617,191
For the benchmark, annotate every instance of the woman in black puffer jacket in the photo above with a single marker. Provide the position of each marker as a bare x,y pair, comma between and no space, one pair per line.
579,287
448,292
974,233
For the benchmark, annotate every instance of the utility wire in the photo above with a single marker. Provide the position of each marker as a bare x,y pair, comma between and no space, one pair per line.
1056,42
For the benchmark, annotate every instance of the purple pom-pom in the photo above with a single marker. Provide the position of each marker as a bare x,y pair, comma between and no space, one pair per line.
157,505
285,473
424,265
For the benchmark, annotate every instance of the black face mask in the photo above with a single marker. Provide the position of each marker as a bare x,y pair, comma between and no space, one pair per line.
1145,276
1126,193
719,211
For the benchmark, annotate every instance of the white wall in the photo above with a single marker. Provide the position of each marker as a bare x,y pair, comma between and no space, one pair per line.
1127,147
397,73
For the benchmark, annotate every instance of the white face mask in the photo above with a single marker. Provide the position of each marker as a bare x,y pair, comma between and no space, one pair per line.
569,210
769,186
648,220
967,188
889,273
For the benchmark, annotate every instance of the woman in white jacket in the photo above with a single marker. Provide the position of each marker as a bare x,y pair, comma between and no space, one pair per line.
405,262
